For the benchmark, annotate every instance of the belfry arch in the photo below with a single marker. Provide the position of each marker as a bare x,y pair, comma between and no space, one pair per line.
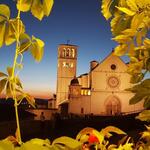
112,105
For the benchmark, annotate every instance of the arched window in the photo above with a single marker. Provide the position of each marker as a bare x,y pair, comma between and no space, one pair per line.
72,53
64,52
67,52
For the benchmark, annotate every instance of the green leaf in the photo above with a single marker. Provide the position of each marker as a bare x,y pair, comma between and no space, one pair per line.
37,9
146,83
2,84
3,74
137,97
135,78
67,142
47,6
4,12
144,115
37,49
24,5
35,144
147,102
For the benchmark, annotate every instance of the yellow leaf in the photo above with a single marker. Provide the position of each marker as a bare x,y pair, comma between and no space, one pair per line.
84,131
25,42
30,99
10,35
132,5
3,74
2,34
99,135
120,49
12,30
126,11
109,129
47,6
37,9
8,89
136,21
119,23
139,39
146,42
131,49
9,71
122,38
4,11
144,115
2,84
68,143
37,49
105,8
24,5
129,32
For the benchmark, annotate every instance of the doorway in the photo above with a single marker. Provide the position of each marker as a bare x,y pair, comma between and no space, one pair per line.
113,106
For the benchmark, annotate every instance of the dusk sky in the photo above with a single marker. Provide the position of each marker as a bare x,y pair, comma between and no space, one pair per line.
79,21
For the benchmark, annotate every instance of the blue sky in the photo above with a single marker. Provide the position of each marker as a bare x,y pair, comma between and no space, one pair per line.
79,21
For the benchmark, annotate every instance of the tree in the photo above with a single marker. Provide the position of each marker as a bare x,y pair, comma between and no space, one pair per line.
130,24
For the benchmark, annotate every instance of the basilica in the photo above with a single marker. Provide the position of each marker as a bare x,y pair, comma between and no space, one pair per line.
100,91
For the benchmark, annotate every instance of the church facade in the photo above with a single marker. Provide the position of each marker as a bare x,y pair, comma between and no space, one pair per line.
101,91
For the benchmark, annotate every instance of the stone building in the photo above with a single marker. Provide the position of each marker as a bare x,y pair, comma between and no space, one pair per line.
101,91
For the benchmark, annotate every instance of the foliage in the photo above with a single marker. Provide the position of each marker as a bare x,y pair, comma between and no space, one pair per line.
13,30
86,139
130,24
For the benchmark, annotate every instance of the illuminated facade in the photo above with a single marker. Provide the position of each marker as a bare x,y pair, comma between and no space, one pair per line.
101,91
66,71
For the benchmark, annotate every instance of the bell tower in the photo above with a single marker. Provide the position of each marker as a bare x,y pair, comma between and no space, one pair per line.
66,70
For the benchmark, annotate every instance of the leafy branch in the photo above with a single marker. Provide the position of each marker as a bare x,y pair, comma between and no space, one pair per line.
130,24
13,30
